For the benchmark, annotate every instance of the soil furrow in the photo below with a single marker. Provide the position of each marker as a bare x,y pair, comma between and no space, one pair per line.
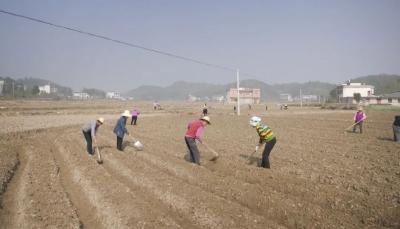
36,198
177,194
113,203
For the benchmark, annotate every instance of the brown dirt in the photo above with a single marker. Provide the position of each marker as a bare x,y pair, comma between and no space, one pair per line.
321,177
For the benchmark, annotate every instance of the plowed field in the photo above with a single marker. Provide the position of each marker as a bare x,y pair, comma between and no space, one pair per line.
320,176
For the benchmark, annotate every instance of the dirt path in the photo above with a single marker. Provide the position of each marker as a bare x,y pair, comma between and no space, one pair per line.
10,124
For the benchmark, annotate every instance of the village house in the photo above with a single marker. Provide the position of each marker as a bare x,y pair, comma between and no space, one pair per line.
347,91
247,95
386,99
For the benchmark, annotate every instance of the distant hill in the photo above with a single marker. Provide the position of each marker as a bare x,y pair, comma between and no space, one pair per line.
384,83
181,89
177,91
308,88
23,87
31,82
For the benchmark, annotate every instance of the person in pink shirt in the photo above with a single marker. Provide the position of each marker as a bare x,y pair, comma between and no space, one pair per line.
195,132
135,114
359,118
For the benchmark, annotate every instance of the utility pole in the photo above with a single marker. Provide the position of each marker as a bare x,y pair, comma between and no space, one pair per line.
238,92
13,89
301,99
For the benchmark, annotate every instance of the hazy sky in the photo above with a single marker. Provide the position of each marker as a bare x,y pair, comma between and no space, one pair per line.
276,41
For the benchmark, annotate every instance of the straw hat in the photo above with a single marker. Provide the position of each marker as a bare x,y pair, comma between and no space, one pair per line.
101,120
360,108
126,114
207,119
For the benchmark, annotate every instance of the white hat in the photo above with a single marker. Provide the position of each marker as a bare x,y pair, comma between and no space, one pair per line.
126,114
255,120
207,119
101,120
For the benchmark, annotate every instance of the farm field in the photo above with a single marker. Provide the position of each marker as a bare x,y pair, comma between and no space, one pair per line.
320,176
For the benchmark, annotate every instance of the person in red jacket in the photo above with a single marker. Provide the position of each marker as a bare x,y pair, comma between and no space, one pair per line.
195,132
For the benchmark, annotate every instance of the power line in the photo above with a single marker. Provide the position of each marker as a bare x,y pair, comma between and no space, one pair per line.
119,41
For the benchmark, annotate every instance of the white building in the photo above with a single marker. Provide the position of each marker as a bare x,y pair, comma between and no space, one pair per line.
192,98
1,87
247,95
45,89
286,97
80,95
218,98
113,95
310,98
349,89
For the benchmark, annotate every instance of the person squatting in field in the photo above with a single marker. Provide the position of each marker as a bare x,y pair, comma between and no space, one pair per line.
195,131
135,114
89,131
120,129
267,137
359,118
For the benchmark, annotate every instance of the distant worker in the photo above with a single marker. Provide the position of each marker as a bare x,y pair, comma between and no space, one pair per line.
249,105
266,107
205,110
120,129
359,118
234,109
135,115
195,132
155,105
266,137
396,128
89,131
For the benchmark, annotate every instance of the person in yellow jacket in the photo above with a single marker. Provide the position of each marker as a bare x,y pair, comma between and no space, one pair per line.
267,137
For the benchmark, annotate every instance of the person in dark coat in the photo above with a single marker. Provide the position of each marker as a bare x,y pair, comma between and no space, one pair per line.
120,129
396,128
205,110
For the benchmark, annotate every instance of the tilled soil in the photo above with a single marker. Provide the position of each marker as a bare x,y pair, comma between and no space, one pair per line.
321,177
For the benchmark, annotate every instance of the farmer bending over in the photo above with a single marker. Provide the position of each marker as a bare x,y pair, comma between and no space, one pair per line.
89,131
120,129
195,132
266,136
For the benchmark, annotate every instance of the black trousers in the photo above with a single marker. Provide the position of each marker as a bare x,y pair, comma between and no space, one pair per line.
267,150
396,133
205,111
119,143
359,125
193,151
88,137
134,119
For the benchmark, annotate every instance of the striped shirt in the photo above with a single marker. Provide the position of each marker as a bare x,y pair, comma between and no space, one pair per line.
265,133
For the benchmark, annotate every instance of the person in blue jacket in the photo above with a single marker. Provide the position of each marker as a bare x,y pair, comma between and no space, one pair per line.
120,129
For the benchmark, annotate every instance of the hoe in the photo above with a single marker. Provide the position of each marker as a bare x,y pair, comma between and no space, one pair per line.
353,125
216,155
99,160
